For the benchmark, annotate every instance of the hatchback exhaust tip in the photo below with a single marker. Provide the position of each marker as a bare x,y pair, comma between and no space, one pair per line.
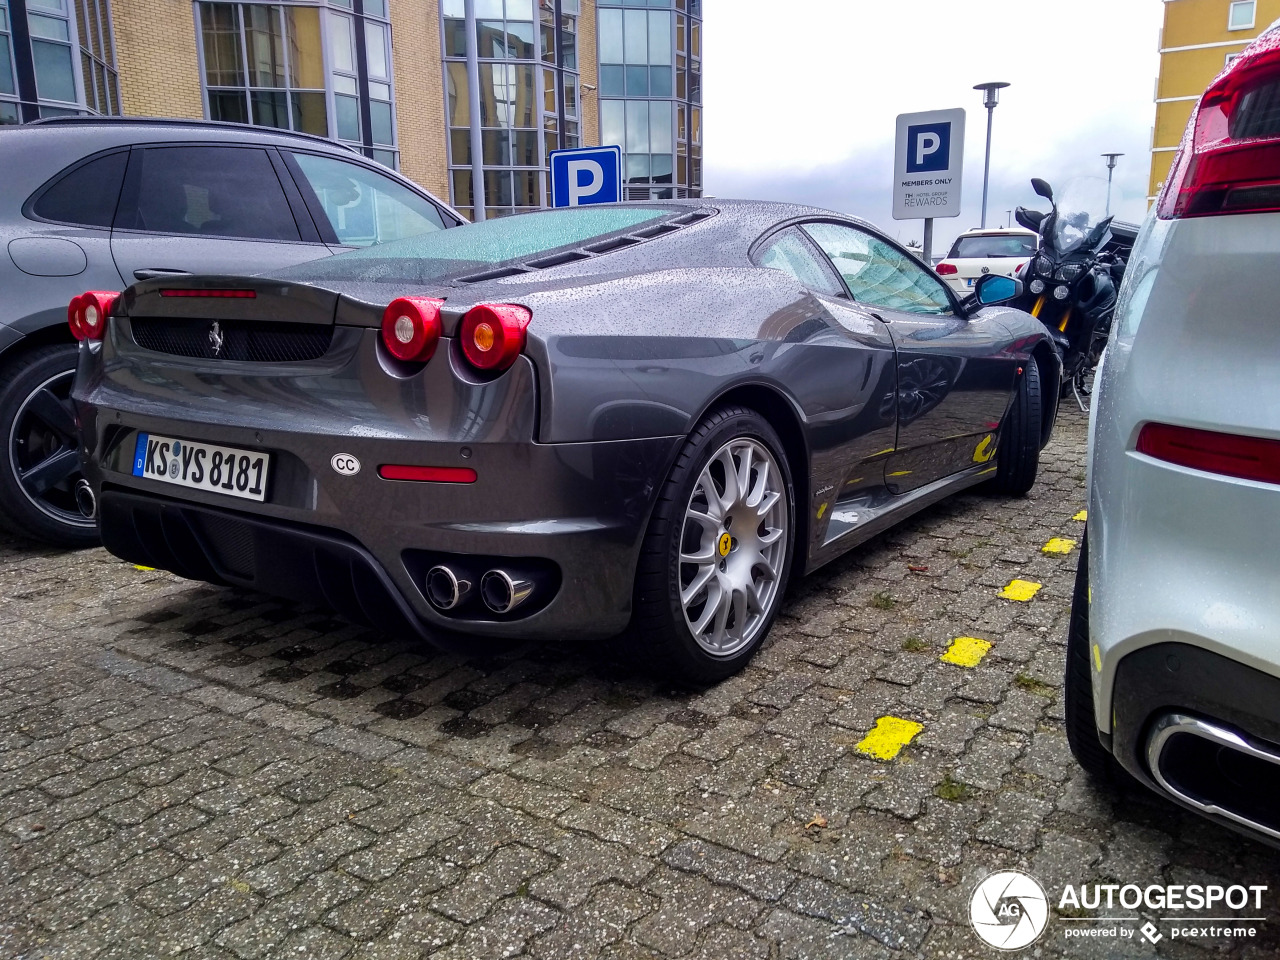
445,589
1217,771
86,502
503,593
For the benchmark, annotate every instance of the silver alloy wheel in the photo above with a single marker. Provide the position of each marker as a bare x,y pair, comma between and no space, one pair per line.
732,547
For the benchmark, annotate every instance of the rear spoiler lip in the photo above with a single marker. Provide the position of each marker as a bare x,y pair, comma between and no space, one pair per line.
273,300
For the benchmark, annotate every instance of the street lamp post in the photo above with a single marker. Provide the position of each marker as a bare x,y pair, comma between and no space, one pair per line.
990,97
1111,166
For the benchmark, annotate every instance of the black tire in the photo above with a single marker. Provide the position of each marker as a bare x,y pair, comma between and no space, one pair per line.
660,631
26,439
1082,729
1018,457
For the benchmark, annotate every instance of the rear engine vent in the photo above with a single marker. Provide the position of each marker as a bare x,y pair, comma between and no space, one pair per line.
493,275
695,217
250,340
558,260
615,244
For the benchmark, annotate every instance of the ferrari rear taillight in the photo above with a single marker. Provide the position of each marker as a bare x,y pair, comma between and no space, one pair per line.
411,328
1229,454
1229,160
87,314
493,335
945,269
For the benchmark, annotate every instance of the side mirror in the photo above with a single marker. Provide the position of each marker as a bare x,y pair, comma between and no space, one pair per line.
993,288
1042,188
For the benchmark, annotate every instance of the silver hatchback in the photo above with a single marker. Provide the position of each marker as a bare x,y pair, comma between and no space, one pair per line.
1173,665
99,203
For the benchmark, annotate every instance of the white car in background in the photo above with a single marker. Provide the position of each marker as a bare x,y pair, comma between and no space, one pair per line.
1000,250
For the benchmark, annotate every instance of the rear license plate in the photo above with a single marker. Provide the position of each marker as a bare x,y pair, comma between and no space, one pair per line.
202,466
969,281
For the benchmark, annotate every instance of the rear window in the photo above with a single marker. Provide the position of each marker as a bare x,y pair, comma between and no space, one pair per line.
87,195
476,246
973,248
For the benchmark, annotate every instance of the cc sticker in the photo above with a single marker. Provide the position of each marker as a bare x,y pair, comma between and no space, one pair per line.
345,464
726,542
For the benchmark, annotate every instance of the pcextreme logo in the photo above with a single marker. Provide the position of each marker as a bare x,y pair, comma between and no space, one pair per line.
1009,910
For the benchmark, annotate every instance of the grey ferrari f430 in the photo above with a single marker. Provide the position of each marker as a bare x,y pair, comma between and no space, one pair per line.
561,424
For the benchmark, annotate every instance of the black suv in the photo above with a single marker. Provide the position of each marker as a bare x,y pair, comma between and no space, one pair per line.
97,204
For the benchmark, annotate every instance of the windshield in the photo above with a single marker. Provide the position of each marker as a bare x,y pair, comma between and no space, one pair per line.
1081,206
972,248
431,256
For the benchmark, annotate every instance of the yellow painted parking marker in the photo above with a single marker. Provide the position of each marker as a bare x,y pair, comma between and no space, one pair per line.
137,566
888,737
1082,516
1097,657
1059,545
984,451
821,510
966,651
1021,590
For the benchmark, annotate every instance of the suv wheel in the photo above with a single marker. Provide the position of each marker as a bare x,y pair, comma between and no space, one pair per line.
40,466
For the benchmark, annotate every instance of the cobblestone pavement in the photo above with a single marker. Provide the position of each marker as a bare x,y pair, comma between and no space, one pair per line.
207,773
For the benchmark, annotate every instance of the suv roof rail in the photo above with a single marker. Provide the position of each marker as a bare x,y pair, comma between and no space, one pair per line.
185,122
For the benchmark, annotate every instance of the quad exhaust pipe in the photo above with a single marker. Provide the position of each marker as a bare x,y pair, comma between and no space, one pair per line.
1217,771
501,591
445,589
86,502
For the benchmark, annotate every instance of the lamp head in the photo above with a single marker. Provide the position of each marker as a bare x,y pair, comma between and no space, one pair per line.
990,92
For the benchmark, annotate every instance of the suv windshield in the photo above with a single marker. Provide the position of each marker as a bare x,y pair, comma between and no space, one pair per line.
972,248
475,246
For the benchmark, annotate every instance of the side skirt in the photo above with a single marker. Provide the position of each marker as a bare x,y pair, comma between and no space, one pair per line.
855,521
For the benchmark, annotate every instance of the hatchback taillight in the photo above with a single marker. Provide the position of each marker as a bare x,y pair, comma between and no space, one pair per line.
946,269
493,335
411,328
87,314
1230,454
1229,160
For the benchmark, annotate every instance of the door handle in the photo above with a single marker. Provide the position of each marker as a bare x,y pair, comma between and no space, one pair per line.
159,273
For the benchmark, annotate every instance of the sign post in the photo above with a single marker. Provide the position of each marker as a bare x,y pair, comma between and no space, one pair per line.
927,168
585,176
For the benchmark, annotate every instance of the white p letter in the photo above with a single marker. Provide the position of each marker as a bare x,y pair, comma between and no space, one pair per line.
926,143
577,190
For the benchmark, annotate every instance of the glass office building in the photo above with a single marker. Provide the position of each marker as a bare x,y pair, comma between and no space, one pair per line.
318,68
512,95
57,57
651,93
487,88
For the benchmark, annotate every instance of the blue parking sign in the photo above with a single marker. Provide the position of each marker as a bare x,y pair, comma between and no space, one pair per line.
585,176
928,147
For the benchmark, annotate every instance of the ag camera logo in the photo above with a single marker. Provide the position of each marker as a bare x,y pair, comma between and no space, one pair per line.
1009,910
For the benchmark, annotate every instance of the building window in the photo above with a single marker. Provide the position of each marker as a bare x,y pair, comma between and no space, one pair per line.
63,64
8,82
1241,15
651,92
1230,59
524,82
306,68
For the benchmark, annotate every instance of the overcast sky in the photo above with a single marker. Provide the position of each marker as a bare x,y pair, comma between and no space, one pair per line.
801,98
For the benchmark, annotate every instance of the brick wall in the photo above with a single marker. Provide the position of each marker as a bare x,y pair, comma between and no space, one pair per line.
418,63
156,54
589,67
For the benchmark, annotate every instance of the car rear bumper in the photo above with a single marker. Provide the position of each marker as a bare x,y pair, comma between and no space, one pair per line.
1203,729
572,515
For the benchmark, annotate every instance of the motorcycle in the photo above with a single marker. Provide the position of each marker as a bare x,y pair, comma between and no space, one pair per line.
1072,280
